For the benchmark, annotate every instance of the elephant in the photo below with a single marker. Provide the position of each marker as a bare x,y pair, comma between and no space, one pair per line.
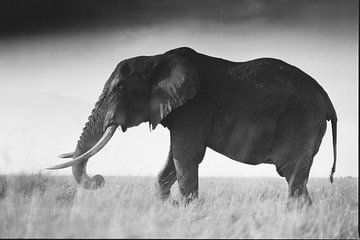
259,111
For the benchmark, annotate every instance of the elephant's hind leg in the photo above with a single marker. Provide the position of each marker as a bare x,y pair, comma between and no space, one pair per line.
297,142
166,178
297,169
297,178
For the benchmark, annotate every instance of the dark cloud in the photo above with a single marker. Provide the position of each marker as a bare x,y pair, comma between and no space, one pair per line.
24,17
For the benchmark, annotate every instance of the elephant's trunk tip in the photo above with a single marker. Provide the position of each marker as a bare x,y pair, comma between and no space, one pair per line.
83,179
95,182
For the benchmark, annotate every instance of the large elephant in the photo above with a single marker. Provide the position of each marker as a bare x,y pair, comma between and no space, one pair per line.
259,111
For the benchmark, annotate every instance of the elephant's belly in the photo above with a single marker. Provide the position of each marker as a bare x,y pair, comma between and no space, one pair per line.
244,140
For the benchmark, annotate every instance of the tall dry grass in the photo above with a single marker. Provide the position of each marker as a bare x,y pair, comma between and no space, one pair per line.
43,206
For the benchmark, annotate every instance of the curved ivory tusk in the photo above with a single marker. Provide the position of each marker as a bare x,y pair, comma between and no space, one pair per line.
96,148
66,155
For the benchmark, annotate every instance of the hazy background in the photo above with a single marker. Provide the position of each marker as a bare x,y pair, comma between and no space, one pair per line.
55,57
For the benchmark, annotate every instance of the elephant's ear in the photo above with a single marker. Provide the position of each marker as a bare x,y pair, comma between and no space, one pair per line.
175,82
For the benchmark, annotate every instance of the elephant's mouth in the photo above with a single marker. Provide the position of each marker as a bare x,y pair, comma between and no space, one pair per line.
110,130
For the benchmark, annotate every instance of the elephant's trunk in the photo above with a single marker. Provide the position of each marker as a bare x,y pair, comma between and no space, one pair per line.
93,138
91,135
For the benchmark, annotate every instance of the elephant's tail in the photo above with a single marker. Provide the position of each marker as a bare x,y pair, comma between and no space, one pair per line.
334,134
331,115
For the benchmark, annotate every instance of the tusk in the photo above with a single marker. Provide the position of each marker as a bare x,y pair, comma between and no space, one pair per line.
96,148
66,155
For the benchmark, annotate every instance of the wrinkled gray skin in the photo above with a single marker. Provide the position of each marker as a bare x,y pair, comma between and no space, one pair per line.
259,111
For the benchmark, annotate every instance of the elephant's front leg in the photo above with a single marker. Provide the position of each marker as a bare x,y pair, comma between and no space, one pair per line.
188,178
166,178
189,127
188,152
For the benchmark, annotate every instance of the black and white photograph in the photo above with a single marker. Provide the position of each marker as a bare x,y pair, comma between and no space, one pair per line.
185,119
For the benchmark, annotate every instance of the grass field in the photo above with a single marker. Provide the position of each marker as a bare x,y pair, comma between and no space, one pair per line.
47,206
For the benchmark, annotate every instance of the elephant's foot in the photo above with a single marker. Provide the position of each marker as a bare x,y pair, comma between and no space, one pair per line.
163,184
297,204
175,203
161,193
298,199
184,201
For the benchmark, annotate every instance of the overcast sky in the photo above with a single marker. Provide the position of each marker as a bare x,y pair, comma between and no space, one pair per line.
57,55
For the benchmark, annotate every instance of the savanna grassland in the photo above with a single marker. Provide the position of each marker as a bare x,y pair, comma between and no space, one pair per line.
42,206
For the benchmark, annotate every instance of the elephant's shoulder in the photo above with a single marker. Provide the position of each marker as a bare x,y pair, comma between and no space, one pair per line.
181,51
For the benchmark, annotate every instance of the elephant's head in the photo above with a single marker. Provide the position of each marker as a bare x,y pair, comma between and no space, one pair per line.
140,89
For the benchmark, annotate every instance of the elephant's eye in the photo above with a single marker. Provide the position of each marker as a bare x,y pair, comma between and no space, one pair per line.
125,69
120,87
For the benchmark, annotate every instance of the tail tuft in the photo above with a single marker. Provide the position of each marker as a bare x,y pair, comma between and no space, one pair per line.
331,177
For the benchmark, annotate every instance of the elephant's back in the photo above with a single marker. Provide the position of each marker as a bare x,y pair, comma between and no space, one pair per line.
263,73
270,82
257,88
273,74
